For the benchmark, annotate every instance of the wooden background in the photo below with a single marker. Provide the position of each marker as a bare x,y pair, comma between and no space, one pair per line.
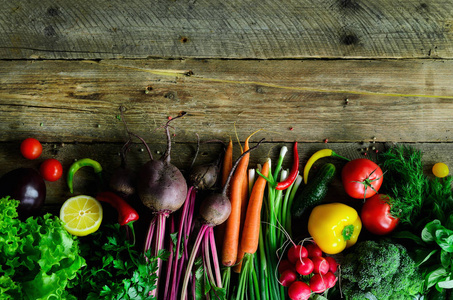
351,72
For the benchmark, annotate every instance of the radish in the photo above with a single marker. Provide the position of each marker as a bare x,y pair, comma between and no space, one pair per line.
288,277
321,265
333,265
299,290
214,210
285,265
297,252
304,266
162,188
330,279
318,283
313,250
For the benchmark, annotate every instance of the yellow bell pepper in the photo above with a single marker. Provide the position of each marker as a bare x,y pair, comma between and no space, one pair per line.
334,227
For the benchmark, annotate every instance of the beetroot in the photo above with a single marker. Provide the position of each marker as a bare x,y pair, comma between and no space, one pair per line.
161,187
214,210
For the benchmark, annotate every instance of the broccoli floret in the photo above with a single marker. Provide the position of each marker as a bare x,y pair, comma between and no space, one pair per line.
380,270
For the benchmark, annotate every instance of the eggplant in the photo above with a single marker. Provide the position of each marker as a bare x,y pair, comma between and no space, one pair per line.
27,186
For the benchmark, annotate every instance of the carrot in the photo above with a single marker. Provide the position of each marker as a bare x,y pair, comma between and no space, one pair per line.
233,224
252,223
227,162
244,203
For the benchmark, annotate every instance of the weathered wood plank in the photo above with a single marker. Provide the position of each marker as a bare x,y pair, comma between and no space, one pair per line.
182,156
78,101
226,29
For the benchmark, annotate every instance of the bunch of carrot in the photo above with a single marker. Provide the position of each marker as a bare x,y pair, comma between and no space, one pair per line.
258,226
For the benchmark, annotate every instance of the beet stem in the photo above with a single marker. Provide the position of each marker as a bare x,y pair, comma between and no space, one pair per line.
170,259
206,257
196,246
196,151
181,233
166,156
159,245
236,163
149,236
215,258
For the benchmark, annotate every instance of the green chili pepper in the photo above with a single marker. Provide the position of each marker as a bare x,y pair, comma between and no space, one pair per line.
84,162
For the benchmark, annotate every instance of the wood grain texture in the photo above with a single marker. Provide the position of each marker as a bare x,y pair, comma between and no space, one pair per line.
78,101
226,29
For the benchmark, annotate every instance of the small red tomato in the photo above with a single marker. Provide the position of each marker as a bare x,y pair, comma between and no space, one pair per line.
376,216
31,148
361,178
51,169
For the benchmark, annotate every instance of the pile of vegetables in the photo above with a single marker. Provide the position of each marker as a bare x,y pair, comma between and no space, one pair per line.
228,230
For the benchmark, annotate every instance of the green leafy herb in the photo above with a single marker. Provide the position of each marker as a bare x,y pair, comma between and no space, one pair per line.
38,257
404,181
115,270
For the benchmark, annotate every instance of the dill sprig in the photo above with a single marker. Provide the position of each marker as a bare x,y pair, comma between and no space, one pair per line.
404,181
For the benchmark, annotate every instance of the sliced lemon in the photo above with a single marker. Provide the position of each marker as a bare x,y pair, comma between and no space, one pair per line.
81,215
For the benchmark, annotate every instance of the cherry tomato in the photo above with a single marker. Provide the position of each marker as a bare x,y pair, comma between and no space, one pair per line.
440,170
361,178
51,169
376,215
31,148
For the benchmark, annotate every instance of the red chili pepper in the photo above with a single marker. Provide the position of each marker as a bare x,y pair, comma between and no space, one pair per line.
126,213
292,174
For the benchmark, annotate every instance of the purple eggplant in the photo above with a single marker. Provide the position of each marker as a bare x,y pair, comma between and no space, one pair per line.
27,186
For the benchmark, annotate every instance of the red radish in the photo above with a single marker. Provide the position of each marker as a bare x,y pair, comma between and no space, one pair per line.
330,279
214,210
299,290
321,265
304,266
333,265
318,283
285,265
287,278
313,250
296,252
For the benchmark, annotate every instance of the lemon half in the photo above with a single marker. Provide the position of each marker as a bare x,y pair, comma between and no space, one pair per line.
81,215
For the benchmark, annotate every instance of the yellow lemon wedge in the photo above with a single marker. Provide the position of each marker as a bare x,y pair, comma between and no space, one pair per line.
81,215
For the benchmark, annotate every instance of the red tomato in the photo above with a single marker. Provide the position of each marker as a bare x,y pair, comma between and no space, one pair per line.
51,169
31,148
376,215
360,173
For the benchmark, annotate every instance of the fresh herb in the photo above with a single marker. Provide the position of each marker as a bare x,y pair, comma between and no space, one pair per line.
38,257
404,181
115,269
433,251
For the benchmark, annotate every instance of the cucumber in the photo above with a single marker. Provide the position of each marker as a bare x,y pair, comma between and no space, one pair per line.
315,191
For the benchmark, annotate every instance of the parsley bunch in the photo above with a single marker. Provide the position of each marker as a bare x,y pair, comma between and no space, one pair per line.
115,269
